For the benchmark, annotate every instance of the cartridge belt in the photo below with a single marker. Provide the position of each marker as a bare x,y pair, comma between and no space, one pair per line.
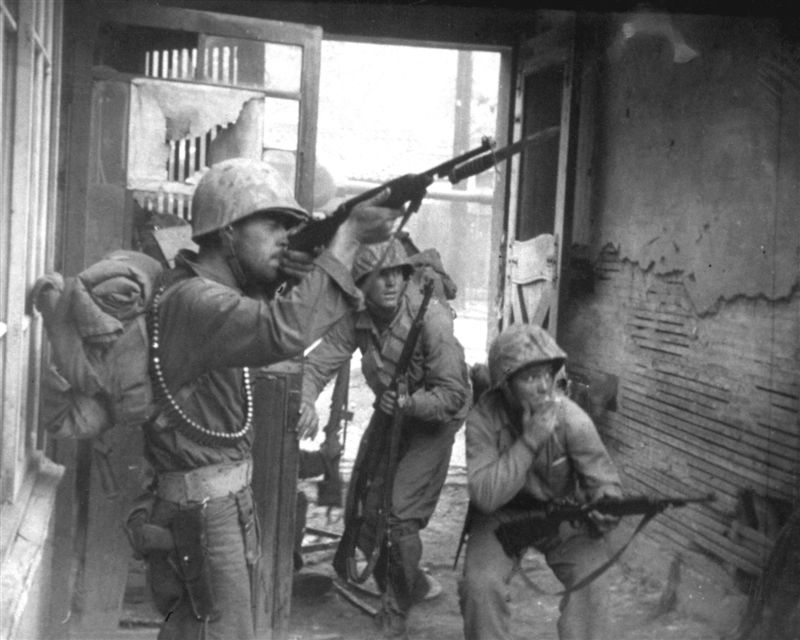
204,483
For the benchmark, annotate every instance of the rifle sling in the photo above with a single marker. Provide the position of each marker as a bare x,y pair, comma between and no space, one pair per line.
596,573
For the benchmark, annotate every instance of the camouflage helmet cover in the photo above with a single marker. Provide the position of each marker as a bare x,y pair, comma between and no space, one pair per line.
518,346
236,188
369,255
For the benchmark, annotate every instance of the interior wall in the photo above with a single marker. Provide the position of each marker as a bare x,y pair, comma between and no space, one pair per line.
699,169
686,321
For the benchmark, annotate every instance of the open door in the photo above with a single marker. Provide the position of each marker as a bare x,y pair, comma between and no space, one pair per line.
541,178
160,94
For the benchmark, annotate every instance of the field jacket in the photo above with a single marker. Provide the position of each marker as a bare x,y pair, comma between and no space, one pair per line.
572,463
210,330
438,381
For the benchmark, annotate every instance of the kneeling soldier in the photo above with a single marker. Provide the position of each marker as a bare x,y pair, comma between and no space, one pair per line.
528,444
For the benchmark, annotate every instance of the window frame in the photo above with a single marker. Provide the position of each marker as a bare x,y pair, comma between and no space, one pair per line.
29,172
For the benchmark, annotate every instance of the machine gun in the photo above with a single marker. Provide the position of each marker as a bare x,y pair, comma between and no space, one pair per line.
521,529
411,188
378,431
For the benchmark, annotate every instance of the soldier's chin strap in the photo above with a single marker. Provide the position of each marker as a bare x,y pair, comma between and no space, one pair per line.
232,259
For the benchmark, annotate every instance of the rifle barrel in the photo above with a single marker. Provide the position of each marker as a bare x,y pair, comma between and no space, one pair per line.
405,188
643,503
491,158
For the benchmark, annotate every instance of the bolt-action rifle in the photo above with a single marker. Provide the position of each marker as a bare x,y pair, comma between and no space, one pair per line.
411,188
519,529
523,526
382,427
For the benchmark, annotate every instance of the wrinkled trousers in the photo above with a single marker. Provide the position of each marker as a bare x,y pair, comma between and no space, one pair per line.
484,590
231,553
421,472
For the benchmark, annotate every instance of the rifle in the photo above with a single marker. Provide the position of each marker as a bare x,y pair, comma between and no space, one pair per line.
329,489
344,561
412,187
521,529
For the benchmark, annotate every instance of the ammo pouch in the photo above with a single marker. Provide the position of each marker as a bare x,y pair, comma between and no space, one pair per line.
189,531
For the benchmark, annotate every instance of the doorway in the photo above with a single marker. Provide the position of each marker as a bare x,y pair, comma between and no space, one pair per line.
390,109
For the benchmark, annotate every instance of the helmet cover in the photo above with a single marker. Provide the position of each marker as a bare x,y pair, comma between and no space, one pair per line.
518,346
239,187
369,255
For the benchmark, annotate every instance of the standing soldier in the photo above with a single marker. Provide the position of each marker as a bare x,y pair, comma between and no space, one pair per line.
528,444
432,411
209,322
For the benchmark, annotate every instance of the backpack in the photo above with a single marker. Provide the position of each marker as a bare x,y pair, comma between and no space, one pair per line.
428,265
96,325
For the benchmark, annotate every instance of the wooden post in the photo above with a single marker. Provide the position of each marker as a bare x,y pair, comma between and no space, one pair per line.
275,456
117,478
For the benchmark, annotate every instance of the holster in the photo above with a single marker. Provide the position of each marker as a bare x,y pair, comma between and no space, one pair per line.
144,536
189,531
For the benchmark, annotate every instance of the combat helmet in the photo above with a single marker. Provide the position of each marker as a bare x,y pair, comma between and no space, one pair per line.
369,255
236,188
518,346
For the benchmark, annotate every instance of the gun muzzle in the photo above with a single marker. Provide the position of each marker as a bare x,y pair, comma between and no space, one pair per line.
491,158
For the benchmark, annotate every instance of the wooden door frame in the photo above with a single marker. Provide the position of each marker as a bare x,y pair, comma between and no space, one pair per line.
555,47
101,610
76,224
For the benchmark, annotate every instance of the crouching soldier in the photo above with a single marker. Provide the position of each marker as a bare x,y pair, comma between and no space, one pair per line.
433,410
527,444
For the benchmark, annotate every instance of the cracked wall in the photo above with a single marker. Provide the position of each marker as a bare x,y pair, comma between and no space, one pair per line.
697,166
689,293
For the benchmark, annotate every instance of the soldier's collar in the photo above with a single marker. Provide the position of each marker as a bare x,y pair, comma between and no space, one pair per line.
209,271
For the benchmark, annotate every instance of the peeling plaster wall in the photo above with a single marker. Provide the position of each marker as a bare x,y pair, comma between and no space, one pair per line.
690,310
698,164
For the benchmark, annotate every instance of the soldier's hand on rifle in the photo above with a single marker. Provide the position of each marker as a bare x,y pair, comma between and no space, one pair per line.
330,449
604,522
390,400
308,422
296,264
369,221
538,423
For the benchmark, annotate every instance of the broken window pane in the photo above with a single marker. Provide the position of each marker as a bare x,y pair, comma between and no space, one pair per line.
250,63
281,123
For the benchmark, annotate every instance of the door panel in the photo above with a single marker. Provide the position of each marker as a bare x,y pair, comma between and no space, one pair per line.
533,274
541,177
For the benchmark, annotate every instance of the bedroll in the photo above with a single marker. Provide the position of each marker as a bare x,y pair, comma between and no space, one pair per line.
96,325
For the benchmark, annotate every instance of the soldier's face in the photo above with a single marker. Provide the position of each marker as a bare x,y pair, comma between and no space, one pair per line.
384,290
533,385
259,243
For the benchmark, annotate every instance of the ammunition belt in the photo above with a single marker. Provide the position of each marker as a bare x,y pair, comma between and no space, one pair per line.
204,483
